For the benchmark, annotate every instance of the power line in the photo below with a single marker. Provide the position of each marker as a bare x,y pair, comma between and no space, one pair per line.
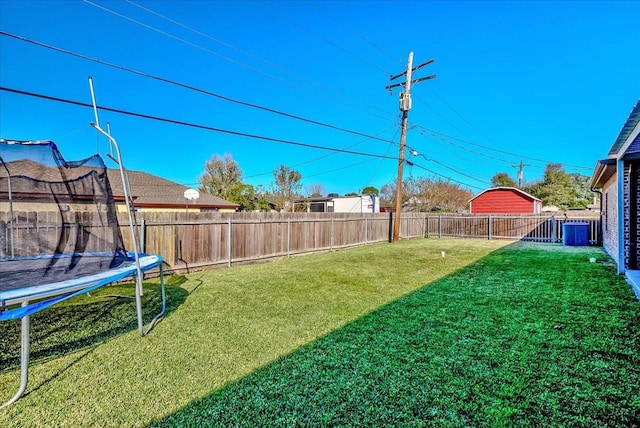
459,114
375,171
324,12
209,128
329,42
191,88
463,159
181,40
437,113
360,36
435,133
444,140
448,178
200,33
337,169
193,125
209,51
316,159
415,153
245,53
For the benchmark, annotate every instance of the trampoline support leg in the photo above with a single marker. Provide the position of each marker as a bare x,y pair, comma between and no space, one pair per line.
139,303
24,359
164,302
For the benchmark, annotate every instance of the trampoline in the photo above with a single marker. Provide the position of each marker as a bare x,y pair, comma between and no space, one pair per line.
60,236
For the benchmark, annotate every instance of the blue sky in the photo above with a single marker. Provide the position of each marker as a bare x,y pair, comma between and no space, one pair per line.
526,81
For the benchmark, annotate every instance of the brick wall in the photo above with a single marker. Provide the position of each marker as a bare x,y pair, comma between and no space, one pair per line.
631,182
626,214
610,217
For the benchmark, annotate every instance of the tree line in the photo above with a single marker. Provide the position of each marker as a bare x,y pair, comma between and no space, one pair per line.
222,177
566,191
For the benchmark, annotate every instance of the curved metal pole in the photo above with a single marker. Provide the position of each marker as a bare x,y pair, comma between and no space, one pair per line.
164,302
10,206
24,359
128,201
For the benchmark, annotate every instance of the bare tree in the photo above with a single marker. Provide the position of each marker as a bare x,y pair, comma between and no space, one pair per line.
430,195
220,177
315,190
287,186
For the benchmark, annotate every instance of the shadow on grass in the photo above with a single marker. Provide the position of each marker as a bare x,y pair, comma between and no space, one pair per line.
87,320
525,337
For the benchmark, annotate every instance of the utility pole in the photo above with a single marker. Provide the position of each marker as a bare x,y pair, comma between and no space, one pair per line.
405,106
520,170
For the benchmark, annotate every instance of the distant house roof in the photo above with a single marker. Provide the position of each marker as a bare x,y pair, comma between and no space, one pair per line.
151,191
521,192
147,190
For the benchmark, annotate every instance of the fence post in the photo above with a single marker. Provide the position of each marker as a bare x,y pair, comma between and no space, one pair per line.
390,226
331,236
229,246
143,237
289,237
489,227
439,226
427,225
424,226
366,230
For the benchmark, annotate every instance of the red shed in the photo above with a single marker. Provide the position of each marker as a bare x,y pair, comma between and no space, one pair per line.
505,200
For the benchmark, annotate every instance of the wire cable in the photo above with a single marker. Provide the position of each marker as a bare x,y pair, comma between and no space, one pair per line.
236,62
179,39
248,54
360,36
435,133
193,125
316,159
445,166
448,178
189,87
329,42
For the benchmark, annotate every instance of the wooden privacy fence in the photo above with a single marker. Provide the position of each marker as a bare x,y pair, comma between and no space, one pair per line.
200,240
197,240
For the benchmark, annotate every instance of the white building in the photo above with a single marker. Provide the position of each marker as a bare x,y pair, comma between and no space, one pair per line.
339,204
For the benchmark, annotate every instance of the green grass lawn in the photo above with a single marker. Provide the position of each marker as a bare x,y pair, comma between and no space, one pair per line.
493,334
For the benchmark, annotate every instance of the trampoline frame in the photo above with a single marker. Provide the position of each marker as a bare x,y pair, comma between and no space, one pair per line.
58,291
63,290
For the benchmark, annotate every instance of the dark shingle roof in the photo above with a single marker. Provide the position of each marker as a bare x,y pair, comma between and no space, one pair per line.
150,190
605,168
147,189
627,128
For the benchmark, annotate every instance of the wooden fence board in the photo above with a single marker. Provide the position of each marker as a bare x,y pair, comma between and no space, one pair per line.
204,239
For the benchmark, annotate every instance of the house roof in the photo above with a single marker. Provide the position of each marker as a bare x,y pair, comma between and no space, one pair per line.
627,129
605,168
329,198
149,190
603,171
521,192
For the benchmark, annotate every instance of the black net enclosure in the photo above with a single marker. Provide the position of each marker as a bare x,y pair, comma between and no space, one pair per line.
58,218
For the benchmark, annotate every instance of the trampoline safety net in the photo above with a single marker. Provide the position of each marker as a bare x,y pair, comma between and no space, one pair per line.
58,218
